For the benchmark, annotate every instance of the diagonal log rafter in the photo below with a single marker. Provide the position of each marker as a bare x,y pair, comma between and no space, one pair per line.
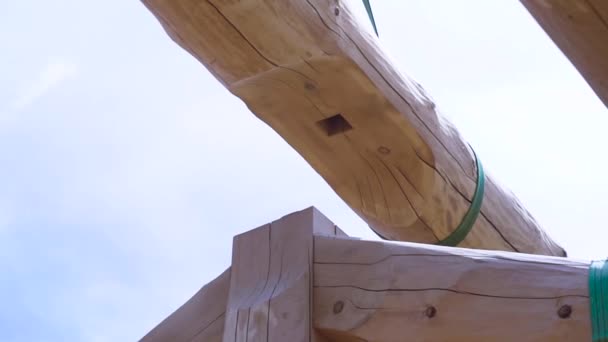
579,28
395,161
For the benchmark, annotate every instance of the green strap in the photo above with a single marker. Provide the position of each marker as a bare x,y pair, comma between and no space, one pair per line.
598,300
468,221
368,8
465,226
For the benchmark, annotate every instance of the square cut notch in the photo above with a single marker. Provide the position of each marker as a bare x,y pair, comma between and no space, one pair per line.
334,125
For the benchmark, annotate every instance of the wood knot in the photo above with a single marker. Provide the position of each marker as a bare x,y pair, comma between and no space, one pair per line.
337,11
430,312
384,150
564,311
338,307
309,86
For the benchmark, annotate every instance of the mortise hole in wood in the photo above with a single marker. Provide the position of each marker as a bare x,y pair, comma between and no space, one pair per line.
334,125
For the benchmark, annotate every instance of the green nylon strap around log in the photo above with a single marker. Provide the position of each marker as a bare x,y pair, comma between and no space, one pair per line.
465,226
598,300
469,219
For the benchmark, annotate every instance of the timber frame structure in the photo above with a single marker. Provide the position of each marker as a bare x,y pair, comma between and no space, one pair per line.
300,278
314,75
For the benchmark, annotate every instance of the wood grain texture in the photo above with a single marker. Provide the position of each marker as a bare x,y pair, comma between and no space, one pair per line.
308,70
271,284
200,319
388,291
579,28
270,288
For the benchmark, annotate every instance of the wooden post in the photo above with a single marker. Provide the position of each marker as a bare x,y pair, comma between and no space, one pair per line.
270,289
579,28
264,296
307,69
385,292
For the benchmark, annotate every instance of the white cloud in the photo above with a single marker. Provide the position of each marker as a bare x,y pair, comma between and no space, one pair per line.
53,74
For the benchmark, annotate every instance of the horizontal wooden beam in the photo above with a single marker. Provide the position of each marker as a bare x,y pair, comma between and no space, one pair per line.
579,28
312,73
382,291
300,278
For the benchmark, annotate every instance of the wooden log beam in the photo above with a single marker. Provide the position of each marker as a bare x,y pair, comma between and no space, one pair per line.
579,28
389,292
308,70
200,319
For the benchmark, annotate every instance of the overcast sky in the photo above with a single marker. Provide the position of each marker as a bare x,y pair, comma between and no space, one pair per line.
126,168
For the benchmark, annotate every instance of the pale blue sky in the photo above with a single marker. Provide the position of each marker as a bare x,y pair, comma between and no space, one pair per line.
126,168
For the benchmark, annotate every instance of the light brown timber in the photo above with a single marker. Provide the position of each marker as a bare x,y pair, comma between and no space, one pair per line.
271,285
265,295
308,70
300,278
390,292
200,319
579,28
